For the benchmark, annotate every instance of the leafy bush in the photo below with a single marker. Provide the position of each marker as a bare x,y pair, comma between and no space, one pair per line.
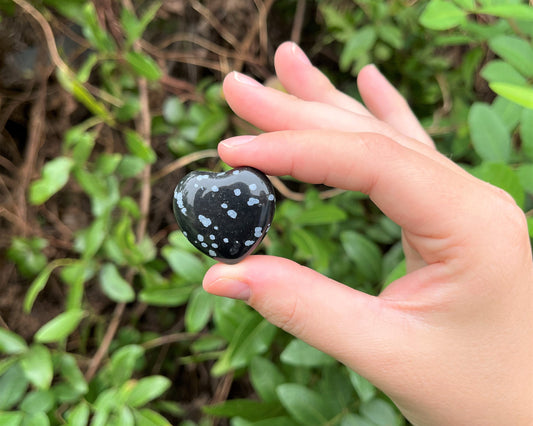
466,67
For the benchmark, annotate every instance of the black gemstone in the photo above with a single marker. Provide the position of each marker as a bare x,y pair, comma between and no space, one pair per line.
225,215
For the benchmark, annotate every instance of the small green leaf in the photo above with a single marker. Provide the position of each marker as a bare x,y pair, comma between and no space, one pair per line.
11,418
399,271
379,412
79,415
515,51
357,47
37,366
299,353
147,389
123,362
138,147
185,264
166,296
306,406
522,95
199,310
442,15
173,110
55,175
502,176
144,65
212,129
114,286
60,327
501,71
38,401
36,287
320,214
36,419
265,377
351,419
13,385
11,343
147,417
521,12
364,252
489,135
72,374
365,390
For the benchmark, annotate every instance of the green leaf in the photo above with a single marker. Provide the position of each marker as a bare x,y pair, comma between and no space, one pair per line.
489,135
521,12
147,389
252,337
351,419
60,327
299,353
186,265
114,286
56,173
244,408
379,412
522,95
72,374
37,366
27,255
265,377
36,287
320,214
515,51
212,129
36,419
147,417
11,343
501,71
11,418
144,65
365,390
174,110
526,132
79,415
502,176
199,310
305,406
123,362
508,111
13,385
364,252
357,47
166,296
399,271
38,401
138,147
93,32
442,15
134,27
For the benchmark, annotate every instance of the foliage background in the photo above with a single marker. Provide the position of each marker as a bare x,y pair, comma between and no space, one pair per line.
102,317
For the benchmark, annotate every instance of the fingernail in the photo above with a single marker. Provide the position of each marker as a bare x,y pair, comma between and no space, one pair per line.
237,140
244,79
228,287
299,54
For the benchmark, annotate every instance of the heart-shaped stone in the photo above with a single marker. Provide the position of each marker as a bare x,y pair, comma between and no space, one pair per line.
225,215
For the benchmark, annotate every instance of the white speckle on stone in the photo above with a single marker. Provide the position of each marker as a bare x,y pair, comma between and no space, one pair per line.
248,243
253,187
184,211
204,220
257,231
224,205
201,177
214,245
252,201
214,188
236,172
225,240
215,228
200,237
179,199
212,253
237,192
185,233
196,185
204,245
212,237
270,197
221,174
232,214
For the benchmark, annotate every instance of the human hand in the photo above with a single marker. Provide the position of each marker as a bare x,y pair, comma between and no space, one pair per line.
451,342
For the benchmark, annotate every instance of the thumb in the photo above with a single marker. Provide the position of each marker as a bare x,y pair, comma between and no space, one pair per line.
360,330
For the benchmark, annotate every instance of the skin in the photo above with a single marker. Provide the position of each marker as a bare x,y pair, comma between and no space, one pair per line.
451,342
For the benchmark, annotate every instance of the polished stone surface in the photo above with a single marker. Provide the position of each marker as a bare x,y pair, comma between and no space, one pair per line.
225,215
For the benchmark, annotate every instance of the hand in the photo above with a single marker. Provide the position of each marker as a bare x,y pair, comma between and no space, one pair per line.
451,342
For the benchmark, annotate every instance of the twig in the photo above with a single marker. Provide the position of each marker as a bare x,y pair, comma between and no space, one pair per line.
299,196
214,22
297,25
183,161
170,338
106,341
